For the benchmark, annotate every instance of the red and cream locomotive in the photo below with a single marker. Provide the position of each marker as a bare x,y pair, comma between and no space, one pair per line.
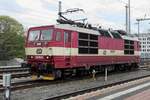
71,47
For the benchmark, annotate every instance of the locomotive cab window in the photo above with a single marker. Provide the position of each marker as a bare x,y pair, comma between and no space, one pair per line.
58,36
46,34
40,35
34,35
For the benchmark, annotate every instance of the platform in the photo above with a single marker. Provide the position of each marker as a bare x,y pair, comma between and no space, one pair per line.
137,92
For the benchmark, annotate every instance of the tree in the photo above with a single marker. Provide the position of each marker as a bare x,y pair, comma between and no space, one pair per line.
11,38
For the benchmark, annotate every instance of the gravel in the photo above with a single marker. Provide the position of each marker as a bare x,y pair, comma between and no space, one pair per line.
43,92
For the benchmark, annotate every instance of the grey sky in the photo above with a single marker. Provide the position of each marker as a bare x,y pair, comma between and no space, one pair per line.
107,13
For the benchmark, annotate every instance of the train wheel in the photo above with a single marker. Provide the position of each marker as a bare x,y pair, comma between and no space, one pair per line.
135,66
121,68
129,68
78,72
57,74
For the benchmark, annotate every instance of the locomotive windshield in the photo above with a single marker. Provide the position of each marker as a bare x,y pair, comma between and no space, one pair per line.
36,35
46,35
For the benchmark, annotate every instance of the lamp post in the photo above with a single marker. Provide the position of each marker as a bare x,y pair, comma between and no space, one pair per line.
138,24
129,17
127,29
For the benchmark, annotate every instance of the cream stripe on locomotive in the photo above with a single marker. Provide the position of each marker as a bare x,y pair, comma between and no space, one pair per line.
58,51
61,51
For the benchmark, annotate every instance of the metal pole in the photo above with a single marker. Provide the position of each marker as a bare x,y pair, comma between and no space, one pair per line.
7,86
93,74
105,73
59,12
129,17
127,30
138,28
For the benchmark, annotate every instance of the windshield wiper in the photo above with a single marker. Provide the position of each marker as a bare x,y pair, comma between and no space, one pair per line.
35,38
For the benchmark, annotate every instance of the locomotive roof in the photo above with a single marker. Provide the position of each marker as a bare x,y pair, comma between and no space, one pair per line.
90,31
75,28
126,37
85,30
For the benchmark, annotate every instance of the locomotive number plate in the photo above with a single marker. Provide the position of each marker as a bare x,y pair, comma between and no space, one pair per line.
39,57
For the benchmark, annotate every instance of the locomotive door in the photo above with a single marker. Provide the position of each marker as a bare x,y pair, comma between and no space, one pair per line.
67,46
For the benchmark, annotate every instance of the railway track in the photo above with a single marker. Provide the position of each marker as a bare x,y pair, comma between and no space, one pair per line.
24,85
16,72
37,83
80,92
34,83
17,75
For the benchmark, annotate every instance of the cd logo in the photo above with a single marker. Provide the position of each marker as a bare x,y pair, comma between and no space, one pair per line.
39,51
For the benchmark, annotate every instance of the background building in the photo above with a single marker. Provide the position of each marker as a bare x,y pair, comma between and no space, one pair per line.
144,39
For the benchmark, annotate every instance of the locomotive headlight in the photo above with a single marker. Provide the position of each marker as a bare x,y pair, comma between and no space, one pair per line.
47,57
31,57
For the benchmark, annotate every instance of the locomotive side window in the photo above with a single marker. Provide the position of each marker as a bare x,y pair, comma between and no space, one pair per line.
83,43
34,35
46,35
128,47
93,51
83,36
93,37
93,44
67,37
83,50
58,36
88,43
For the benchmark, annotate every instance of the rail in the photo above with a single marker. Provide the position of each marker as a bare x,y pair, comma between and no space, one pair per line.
14,66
